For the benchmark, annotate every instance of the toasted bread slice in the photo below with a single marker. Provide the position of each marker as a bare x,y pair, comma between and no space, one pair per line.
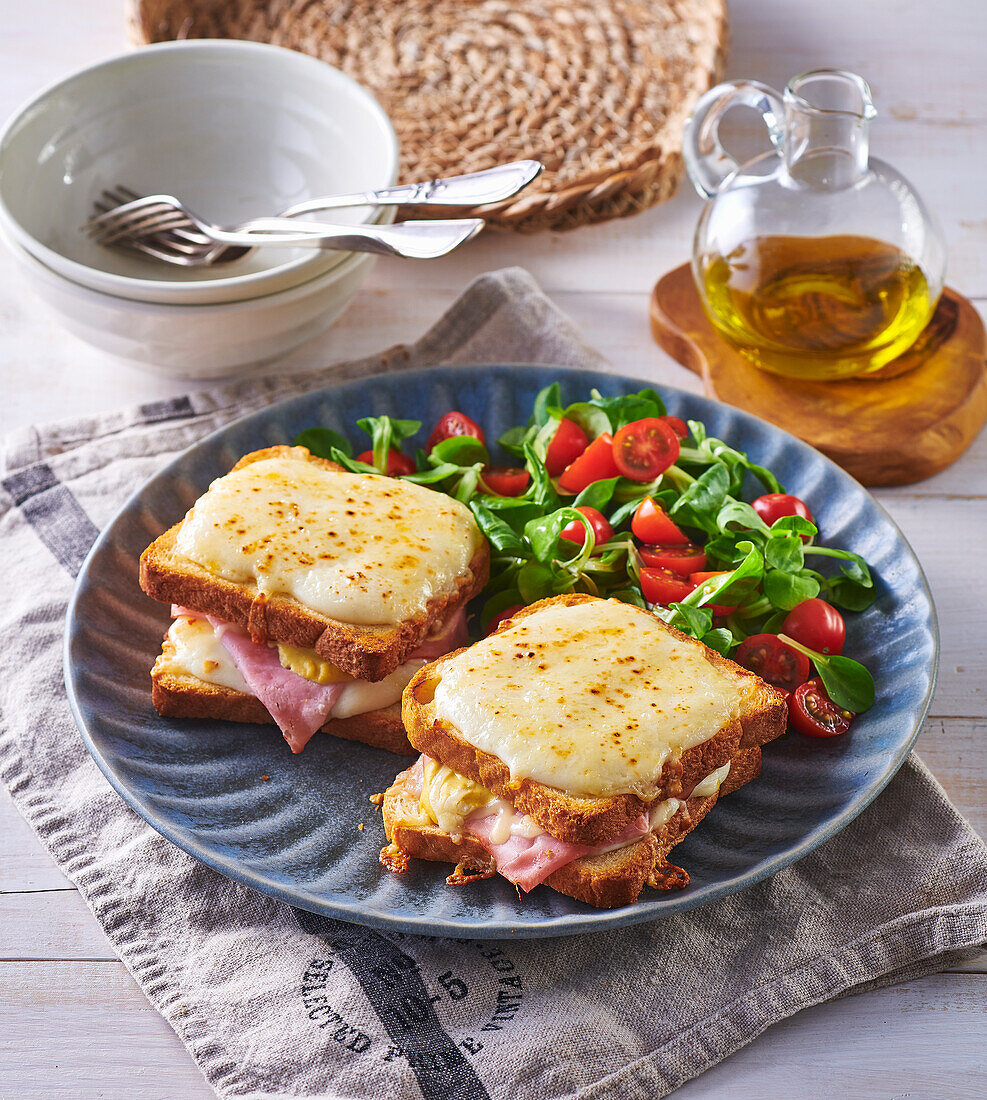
606,880
179,695
368,652
579,819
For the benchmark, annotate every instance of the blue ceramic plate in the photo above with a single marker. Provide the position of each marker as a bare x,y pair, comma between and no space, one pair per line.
205,786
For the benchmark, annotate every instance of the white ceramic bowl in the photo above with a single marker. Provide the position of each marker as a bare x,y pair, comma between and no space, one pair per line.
236,129
206,341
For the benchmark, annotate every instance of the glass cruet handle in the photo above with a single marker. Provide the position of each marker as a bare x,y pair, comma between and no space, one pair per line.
706,161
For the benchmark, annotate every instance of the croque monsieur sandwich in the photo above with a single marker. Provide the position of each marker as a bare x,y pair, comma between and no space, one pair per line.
308,596
574,746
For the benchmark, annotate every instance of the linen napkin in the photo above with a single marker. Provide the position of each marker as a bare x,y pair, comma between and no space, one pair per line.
276,1002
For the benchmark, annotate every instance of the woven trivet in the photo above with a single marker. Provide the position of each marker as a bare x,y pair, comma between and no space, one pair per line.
598,90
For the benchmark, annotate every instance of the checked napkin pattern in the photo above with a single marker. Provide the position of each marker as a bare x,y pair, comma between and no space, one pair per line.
276,1002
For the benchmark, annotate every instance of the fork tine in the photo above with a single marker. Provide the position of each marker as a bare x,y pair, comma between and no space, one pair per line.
154,226
125,211
117,223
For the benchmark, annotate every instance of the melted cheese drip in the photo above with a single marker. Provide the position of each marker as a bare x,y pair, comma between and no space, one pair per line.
592,699
200,653
359,548
712,783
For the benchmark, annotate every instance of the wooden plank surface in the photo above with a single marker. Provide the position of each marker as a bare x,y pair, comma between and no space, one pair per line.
72,1021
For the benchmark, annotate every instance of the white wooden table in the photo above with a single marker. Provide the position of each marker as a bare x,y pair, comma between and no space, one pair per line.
72,1021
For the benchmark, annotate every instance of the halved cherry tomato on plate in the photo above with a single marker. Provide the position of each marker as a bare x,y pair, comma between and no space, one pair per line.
773,506
767,656
397,463
652,525
677,424
576,532
817,625
645,448
812,712
596,463
682,560
566,446
507,613
505,481
662,586
452,424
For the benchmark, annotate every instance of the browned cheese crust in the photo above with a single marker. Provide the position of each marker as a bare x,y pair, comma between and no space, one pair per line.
186,696
577,819
606,881
366,652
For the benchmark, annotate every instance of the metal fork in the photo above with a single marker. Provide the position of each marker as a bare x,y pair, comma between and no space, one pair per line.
168,235
415,240
167,231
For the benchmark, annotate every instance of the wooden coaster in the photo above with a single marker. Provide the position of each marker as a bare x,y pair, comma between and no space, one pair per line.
903,424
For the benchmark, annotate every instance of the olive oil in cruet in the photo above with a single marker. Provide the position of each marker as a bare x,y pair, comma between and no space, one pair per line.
817,306
814,259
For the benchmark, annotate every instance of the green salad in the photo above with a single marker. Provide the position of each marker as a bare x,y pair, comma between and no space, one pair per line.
612,496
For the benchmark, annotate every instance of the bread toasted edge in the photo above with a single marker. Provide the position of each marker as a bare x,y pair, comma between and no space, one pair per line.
175,695
578,819
366,652
606,881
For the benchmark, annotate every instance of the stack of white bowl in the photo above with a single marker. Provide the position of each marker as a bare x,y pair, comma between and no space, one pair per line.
237,130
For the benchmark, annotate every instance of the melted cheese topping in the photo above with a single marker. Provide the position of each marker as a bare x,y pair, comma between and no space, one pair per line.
592,699
200,653
359,548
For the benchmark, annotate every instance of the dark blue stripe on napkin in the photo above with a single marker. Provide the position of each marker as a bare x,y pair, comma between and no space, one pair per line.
393,985
56,516
171,408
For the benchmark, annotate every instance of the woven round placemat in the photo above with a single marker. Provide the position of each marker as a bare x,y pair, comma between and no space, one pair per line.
598,90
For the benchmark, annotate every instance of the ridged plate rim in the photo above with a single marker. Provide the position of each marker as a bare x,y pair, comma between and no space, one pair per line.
575,917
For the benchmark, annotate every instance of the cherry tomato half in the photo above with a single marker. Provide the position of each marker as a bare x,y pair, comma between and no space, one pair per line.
682,560
773,506
505,481
817,625
452,424
652,525
677,424
663,586
767,656
576,532
507,613
812,712
645,448
567,445
397,463
596,463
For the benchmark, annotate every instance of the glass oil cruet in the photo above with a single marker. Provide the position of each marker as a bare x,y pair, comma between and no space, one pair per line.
813,259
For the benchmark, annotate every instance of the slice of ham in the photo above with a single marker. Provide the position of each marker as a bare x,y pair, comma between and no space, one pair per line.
526,860
299,706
